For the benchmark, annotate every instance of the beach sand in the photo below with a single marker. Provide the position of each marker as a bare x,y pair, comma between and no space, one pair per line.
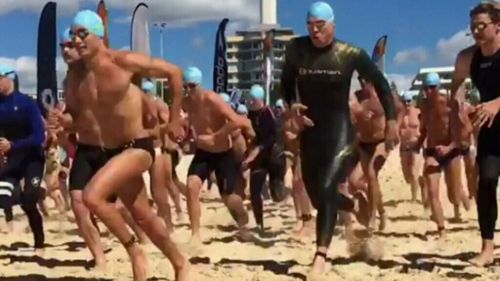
410,246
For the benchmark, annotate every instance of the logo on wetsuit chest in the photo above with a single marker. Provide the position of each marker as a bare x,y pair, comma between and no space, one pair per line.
486,64
35,181
307,71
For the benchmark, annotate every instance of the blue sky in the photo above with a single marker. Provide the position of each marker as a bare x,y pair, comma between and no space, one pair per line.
421,32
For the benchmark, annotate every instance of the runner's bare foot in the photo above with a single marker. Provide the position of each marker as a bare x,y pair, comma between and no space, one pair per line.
482,260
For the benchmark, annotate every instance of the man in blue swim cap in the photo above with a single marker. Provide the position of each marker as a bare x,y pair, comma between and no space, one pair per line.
120,104
409,132
327,136
213,122
442,153
68,51
78,117
266,156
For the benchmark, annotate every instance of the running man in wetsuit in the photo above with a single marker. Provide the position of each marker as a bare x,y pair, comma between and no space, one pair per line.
320,67
484,71
266,156
23,135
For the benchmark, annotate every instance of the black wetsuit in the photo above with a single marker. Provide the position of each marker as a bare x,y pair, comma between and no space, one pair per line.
322,78
21,123
485,73
270,161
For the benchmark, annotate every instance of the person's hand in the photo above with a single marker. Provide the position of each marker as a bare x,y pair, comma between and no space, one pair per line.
442,150
249,133
176,130
5,145
298,120
486,113
245,164
55,119
391,134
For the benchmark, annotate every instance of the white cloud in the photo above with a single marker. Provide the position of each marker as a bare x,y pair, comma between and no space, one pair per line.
414,55
188,12
26,69
448,48
403,81
234,26
175,13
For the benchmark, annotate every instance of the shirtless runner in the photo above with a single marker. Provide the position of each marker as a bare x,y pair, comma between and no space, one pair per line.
370,126
441,152
409,131
213,121
118,109
158,172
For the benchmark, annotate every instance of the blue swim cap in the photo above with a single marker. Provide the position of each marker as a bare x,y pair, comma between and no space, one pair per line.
321,11
242,109
279,103
147,86
257,92
407,96
432,79
225,97
7,71
193,75
66,36
90,21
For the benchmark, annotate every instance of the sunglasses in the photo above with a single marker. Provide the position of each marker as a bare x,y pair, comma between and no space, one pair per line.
480,26
189,86
318,25
80,33
68,45
430,87
6,74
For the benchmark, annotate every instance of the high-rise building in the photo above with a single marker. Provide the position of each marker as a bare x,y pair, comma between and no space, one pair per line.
245,50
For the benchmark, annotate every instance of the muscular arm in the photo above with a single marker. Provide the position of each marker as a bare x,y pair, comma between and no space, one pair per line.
369,70
355,107
234,121
462,72
37,134
156,68
423,129
288,75
163,114
149,115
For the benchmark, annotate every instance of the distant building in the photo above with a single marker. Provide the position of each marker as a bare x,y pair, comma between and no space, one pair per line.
245,51
245,55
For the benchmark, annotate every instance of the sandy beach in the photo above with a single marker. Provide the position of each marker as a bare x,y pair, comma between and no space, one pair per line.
411,249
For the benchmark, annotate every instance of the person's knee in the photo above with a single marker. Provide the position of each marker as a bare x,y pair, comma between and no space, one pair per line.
142,216
31,196
91,199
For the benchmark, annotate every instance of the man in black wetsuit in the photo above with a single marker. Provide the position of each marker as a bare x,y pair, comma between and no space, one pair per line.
484,71
22,136
266,156
320,67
